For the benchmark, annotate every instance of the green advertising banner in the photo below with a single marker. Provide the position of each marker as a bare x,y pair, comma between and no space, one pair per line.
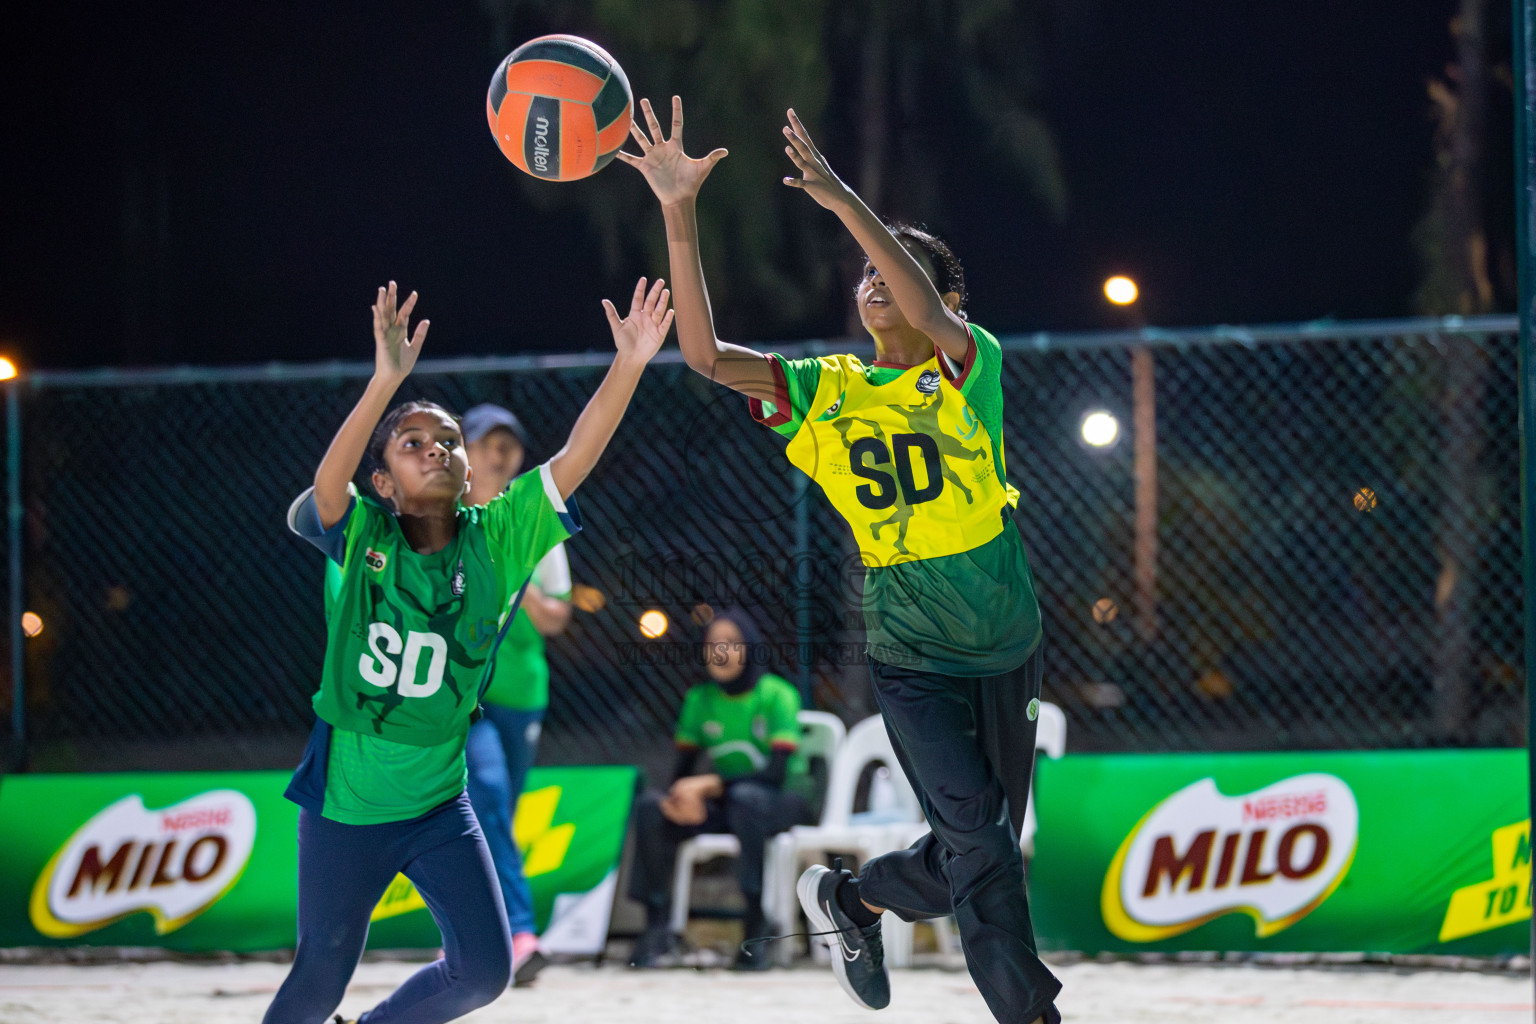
209,861
1382,852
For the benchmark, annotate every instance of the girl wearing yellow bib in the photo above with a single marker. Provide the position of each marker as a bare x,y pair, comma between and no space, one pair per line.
909,450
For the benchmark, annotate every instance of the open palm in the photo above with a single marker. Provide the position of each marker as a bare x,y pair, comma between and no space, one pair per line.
673,175
395,348
817,179
640,334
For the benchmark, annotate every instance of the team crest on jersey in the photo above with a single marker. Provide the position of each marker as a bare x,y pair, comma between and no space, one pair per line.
375,560
714,730
971,423
928,381
458,580
833,409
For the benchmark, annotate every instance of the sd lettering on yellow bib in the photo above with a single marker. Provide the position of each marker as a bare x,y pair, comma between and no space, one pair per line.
907,463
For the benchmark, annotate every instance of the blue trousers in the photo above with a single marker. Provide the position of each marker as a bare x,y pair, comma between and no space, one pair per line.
500,750
343,872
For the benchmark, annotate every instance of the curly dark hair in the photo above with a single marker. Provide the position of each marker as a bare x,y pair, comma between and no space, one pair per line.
389,425
943,265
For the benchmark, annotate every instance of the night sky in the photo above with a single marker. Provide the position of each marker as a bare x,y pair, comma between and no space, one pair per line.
226,183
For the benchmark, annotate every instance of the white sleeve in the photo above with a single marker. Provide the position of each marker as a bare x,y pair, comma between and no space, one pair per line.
553,573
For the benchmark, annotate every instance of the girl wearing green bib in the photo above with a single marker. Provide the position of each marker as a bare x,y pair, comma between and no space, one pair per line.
746,719
909,450
423,592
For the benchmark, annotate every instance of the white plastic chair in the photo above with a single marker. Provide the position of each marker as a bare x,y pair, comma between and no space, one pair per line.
821,735
839,830
1050,740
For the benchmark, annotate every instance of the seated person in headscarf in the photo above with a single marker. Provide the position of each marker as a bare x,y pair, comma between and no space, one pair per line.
746,720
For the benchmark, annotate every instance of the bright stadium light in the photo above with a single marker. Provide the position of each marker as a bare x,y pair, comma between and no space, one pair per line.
1100,429
31,623
7,369
653,623
1121,290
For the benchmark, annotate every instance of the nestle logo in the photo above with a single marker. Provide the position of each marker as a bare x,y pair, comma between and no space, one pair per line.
204,819
1279,807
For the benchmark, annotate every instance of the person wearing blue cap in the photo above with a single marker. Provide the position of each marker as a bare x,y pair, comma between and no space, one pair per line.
502,745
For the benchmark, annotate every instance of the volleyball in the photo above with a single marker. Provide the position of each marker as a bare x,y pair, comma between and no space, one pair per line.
559,107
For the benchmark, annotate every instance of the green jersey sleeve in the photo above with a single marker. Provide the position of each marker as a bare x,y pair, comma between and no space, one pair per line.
690,731
526,520
794,387
982,369
980,382
782,711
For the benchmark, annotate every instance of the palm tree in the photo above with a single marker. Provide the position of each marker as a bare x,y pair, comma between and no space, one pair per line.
937,77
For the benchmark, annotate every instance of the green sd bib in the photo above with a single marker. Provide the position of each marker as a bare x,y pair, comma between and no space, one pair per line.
408,663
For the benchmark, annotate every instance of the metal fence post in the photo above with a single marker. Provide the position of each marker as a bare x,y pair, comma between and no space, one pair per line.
14,508
803,574
1525,180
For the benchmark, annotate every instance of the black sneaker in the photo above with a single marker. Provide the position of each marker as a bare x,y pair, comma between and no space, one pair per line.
756,950
755,957
656,947
858,955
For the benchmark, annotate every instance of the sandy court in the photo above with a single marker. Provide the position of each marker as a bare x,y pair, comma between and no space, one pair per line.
1115,993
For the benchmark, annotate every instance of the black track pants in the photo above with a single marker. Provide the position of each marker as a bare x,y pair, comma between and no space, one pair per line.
967,746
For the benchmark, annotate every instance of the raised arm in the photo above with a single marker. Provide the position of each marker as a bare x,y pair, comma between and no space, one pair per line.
637,339
394,357
910,286
676,178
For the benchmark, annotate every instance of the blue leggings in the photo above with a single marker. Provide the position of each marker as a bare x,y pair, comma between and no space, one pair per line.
500,749
343,872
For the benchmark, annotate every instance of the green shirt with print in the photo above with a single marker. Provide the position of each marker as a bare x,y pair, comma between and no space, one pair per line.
740,733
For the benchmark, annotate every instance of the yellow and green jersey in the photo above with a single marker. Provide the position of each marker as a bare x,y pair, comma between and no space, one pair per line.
409,640
740,733
912,458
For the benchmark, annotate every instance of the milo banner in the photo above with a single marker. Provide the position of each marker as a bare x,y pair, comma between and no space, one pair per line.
1383,852
209,861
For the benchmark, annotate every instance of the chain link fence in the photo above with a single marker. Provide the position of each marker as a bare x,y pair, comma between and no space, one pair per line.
1320,548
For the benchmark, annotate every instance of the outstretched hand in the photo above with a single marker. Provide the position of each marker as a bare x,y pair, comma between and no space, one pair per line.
394,354
673,175
816,178
640,334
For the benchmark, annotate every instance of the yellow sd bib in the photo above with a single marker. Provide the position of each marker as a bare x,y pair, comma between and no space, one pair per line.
908,464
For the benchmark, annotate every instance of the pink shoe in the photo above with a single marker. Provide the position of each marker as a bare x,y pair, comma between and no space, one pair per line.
527,959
